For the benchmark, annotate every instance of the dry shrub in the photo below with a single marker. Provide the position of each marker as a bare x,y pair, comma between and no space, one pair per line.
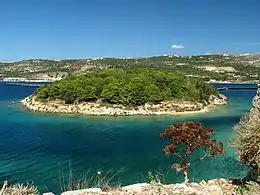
251,188
247,138
21,189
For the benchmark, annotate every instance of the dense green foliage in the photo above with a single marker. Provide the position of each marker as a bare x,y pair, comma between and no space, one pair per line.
127,87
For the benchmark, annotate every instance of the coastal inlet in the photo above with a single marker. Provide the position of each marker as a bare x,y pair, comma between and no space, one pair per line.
46,143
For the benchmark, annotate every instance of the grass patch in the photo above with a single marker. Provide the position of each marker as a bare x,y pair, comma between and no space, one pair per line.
105,180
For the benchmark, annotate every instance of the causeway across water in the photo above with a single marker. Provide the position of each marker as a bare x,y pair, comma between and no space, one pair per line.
26,84
237,88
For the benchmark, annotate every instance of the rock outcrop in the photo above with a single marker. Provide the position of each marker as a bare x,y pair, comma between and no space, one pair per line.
95,108
211,187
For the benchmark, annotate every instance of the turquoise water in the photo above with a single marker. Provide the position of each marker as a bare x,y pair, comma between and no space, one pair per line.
35,147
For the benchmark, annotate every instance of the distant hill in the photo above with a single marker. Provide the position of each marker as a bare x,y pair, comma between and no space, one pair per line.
215,67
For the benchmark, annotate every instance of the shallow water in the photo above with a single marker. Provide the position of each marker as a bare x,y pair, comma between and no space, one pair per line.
36,147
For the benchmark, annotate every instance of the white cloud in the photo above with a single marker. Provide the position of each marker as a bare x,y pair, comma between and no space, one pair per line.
177,46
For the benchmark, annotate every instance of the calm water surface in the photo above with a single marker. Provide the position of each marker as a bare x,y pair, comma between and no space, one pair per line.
38,147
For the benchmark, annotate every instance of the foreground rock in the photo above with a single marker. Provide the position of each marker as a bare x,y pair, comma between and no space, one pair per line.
91,108
212,187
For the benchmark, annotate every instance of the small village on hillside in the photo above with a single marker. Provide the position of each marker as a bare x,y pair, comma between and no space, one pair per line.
215,68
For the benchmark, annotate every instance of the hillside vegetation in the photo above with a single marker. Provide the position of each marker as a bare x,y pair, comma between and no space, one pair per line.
217,67
127,87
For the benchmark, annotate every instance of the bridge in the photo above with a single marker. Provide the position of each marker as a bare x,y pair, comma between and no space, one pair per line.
42,84
26,84
237,88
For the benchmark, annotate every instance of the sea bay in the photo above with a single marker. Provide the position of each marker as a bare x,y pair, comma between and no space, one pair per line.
37,147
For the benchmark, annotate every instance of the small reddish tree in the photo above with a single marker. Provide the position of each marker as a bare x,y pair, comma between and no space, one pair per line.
187,137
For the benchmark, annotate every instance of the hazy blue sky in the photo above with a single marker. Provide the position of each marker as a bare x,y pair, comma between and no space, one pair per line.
58,29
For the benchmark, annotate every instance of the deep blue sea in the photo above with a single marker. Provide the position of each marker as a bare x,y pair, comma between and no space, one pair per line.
38,147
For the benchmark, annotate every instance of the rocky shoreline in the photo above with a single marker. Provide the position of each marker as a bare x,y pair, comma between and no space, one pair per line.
211,187
175,107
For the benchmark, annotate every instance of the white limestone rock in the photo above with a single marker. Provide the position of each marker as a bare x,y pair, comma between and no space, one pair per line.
82,192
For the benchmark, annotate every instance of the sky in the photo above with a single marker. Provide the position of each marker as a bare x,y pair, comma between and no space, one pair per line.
65,29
